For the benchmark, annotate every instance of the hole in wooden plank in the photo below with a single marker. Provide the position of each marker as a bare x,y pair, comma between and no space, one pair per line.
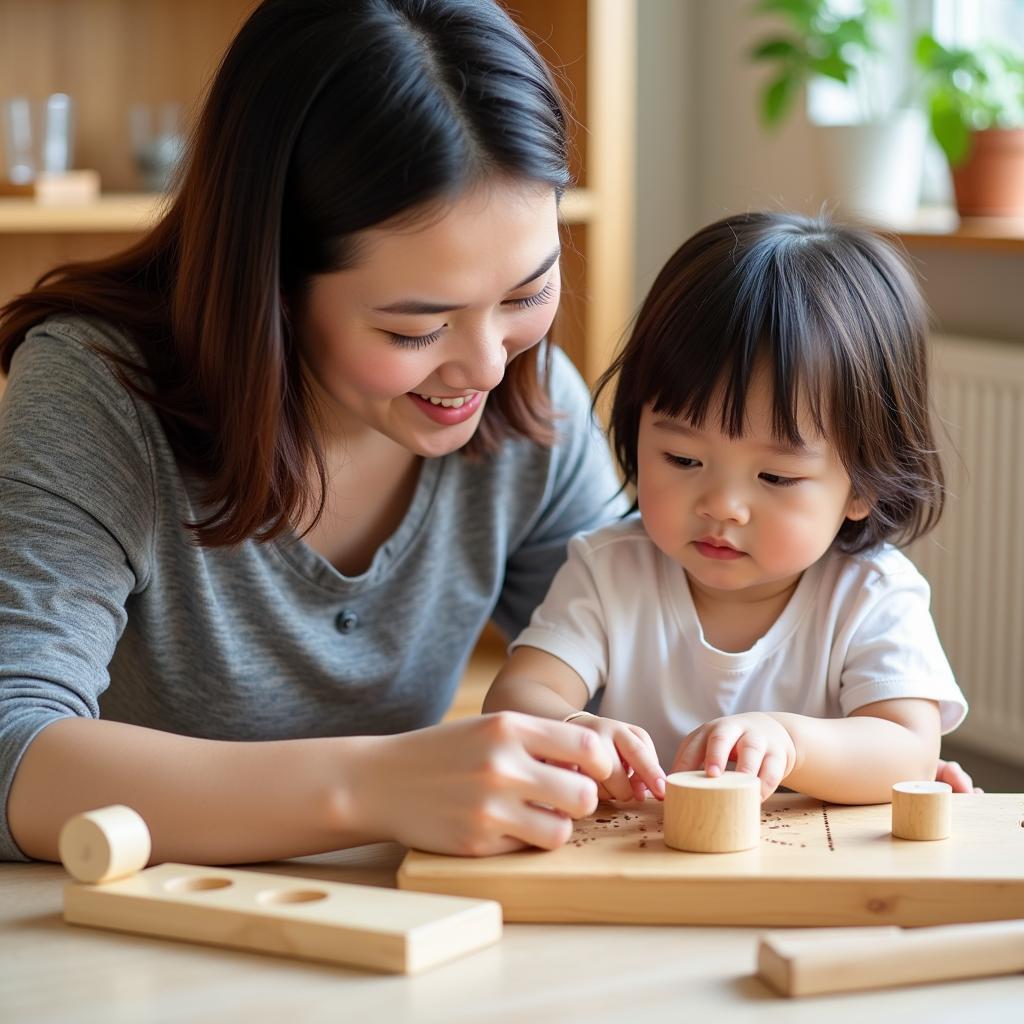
291,896
206,884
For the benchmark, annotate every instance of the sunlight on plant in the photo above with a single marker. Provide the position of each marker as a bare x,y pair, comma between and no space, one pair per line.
970,90
830,38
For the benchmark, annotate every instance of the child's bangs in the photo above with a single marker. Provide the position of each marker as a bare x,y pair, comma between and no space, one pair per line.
704,369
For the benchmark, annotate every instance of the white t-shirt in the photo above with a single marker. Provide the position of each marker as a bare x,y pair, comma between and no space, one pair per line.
856,630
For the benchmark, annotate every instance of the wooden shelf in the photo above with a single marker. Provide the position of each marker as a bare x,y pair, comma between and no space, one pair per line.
941,228
110,213
127,211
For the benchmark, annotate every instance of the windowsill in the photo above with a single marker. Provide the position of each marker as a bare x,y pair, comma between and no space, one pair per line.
939,227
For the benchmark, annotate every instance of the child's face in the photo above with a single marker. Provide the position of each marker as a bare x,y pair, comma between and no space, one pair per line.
743,516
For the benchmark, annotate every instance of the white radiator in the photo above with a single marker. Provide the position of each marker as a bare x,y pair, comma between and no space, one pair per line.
974,560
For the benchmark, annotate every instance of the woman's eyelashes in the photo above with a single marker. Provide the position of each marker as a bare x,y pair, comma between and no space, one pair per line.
541,298
545,295
416,340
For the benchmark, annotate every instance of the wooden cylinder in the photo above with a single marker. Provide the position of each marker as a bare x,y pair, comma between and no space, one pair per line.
921,810
104,845
712,815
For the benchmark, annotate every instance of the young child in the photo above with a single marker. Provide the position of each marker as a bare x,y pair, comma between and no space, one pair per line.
771,410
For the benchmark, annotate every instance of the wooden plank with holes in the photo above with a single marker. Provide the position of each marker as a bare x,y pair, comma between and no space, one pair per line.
332,922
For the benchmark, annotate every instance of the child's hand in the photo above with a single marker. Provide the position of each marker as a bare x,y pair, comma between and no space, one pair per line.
951,772
636,762
757,742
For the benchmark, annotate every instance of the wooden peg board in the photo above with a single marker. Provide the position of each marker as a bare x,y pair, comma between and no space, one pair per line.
816,865
333,922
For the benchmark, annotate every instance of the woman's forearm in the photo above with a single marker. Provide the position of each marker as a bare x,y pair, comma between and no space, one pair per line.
855,760
205,801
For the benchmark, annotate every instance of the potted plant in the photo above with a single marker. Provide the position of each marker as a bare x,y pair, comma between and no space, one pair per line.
976,107
872,164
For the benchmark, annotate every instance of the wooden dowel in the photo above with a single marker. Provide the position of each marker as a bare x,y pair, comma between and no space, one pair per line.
922,810
104,845
712,815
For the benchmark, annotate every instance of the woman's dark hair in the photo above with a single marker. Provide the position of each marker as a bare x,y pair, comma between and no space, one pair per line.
834,316
324,119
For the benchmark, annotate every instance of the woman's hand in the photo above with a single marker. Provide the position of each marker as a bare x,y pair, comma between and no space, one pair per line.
636,770
479,786
757,742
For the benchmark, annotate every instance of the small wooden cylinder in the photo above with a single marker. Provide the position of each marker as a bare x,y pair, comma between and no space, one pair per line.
104,845
921,810
712,815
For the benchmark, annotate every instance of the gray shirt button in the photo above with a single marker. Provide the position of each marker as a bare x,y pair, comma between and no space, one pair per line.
346,620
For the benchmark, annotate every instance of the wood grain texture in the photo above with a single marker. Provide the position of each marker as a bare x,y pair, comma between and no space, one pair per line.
816,865
331,922
805,963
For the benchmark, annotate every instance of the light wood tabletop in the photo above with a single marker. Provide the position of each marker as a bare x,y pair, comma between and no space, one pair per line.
54,972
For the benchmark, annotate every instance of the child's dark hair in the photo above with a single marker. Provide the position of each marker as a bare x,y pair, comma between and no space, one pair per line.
834,315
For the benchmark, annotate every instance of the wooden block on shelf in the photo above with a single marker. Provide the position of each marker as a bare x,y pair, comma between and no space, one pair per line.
69,188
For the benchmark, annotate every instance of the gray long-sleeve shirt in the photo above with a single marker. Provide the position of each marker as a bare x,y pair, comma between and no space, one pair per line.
109,609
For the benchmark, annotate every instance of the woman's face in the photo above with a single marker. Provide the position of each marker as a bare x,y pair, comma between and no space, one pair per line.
410,341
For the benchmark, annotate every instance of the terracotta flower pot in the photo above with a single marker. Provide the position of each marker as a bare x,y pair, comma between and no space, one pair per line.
990,183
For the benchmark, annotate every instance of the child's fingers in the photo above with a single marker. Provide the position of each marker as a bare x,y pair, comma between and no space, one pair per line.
721,740
690,754
773,771
617,784
640,791
951,772
750,753
637,750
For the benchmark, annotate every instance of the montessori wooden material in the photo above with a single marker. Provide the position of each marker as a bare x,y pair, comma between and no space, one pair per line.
816,864
922,810
812,962
333,922
105,844
712,815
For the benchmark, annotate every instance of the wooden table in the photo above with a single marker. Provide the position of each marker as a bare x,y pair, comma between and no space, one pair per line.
51,972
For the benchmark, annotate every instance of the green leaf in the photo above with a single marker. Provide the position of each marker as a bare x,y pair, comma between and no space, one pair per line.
853,30
777,98
951,132
775,49
928,50
833,65
801,12
882,9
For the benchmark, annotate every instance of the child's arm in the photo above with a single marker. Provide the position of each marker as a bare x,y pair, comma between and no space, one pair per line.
852,760
538,683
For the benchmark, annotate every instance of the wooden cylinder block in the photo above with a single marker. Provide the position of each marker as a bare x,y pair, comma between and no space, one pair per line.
921,810
712,815
104,845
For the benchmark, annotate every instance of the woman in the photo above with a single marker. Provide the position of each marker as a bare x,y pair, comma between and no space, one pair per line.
264,476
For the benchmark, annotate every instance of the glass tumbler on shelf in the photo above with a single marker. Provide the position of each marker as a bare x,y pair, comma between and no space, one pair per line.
38,137
157,143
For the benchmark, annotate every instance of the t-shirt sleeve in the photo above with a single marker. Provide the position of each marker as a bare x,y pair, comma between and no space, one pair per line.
571,622
582,493
76,504
895,652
